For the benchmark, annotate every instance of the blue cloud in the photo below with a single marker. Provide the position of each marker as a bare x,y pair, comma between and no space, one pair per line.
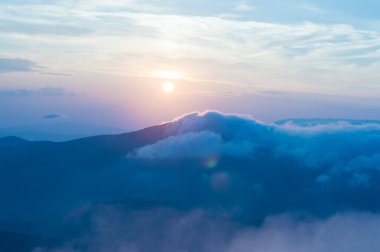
51,116
47,91
16,65
317,167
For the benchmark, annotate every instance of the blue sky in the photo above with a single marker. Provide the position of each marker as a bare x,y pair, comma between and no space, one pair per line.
270,59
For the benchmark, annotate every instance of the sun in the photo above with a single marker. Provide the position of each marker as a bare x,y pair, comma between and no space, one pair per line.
168,87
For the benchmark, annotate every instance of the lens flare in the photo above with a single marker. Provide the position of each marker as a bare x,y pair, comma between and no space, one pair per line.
220,181
211,162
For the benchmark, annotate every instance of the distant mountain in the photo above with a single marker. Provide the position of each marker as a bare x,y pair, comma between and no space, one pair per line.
42,180
42,170
58,131
307,122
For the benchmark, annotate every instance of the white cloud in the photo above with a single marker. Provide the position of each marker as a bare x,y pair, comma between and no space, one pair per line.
312,143
243,6
194,145
188,145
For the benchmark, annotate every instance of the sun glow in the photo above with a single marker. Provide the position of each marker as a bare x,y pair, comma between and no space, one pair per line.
169,75
168,87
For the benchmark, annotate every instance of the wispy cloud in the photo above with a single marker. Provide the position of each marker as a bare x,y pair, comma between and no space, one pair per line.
30,27
243,6
328,58
48,91
198,231
16,65
52,116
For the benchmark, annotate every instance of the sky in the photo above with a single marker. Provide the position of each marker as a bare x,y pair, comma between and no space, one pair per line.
104,62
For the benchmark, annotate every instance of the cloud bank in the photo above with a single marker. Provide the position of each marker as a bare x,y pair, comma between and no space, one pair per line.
165,230
202,135
193,145
321,167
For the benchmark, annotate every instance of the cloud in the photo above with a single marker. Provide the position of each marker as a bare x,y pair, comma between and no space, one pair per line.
320,168
209,133
47,91
243,6
342,232
326,57
309,142
216,130
201,135
163,229
42,28
190,145
327,125
8,65
51,116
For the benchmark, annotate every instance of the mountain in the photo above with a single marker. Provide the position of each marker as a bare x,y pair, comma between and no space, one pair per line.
21,242
217,167
42,180
310,122
58,131
98,149
41,170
